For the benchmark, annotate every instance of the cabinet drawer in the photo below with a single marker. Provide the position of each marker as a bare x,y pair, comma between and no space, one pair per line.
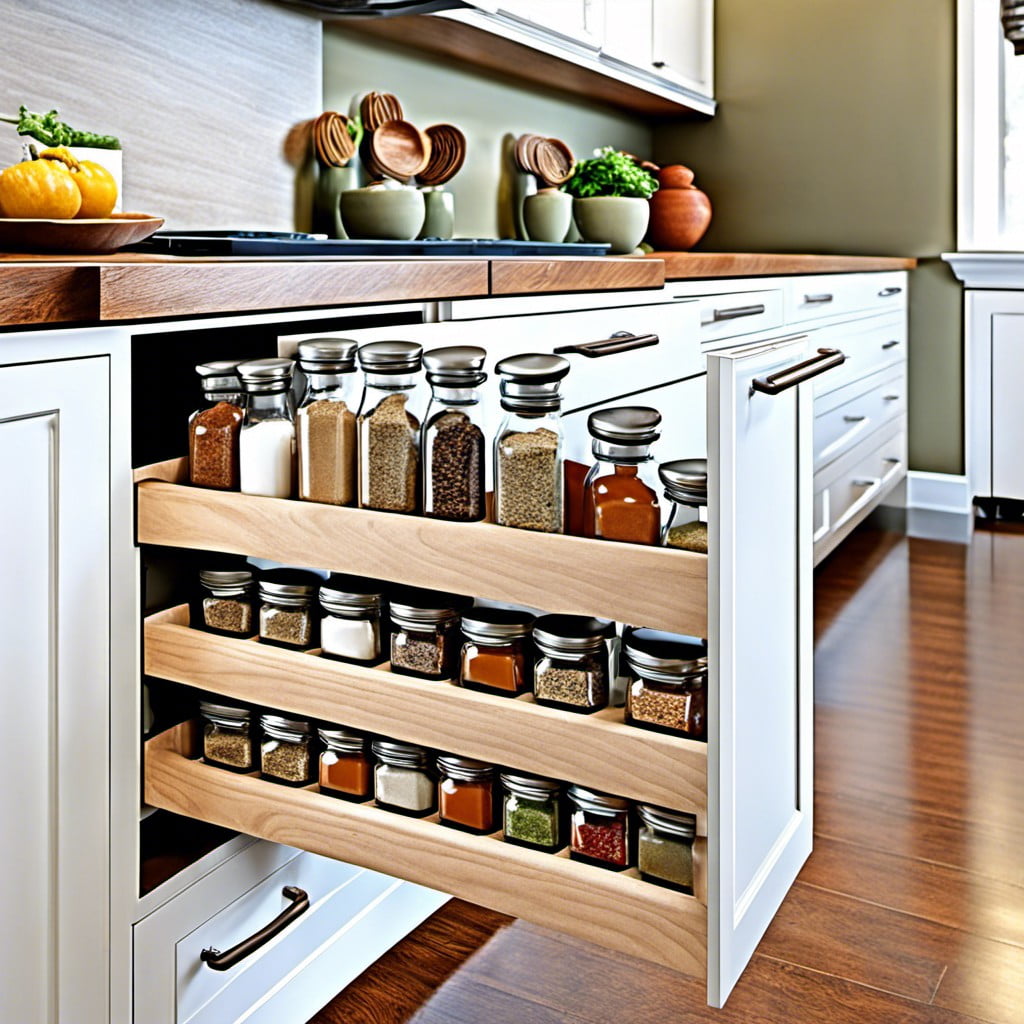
870,346
738,313
825,295
850,414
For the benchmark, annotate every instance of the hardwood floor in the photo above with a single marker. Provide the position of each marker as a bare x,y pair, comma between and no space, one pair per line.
910,909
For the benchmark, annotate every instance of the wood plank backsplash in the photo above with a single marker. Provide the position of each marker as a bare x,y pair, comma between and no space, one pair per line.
202,93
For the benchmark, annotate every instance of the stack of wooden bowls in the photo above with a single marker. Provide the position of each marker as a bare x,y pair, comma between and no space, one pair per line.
549,160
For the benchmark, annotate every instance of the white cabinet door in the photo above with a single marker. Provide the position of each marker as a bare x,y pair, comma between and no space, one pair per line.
628,28
760,682
683,43
54,667
579,21
1007,408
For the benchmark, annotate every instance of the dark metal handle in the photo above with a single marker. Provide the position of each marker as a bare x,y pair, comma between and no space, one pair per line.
855,419
890,344
735,312
892,460
892,289
822,298
218,961
891,398
620,341
783,380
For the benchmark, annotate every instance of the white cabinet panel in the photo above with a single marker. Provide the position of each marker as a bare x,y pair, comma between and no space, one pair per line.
683,43
1007,406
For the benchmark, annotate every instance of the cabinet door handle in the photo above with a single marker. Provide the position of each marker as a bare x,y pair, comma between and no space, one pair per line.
854,419
890,344
892,289
893,460
783,380
821,299
892,398
735,312
218,961
620,341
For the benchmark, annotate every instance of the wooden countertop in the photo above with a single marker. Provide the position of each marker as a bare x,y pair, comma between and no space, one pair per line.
52,289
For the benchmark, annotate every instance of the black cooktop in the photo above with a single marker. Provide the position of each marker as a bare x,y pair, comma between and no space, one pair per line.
283,243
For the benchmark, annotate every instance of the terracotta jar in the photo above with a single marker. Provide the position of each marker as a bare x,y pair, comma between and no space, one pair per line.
680,212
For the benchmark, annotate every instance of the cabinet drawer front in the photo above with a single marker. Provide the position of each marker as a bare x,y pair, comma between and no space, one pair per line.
735,314
869,345
856,411
825,295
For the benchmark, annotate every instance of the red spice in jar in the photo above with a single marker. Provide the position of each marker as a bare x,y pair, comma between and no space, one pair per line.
213,447
602,842
347,775
467,804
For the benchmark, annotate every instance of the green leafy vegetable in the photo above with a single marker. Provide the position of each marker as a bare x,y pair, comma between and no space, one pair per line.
51,131
611,173
355,129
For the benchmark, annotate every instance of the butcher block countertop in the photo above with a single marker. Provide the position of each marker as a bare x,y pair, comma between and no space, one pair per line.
60,289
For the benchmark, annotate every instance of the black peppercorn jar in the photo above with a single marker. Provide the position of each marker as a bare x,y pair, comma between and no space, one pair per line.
425,638
667,691
228,736
572,670
453,437
665,847
287,753
497,655
686,487
227,603
601,829
532,811
287,617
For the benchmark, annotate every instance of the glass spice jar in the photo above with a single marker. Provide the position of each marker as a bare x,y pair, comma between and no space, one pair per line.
425,639
467,794
600,829
620,500
667,691
346,768
266,445
389,426
227,602
453,441
213,429
325,424
352,628
497,656
228,740
665,847
286,611
286,751
528,485
402,778
686,487
571,670
531,811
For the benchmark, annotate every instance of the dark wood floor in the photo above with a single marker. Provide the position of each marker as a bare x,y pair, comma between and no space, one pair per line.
910,909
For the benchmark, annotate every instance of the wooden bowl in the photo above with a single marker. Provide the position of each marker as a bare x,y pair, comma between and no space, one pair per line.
400,149
99,235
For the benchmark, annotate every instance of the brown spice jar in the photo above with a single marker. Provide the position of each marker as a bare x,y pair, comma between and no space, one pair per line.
497,668
348,775
326,437
620,506
391,461
213,447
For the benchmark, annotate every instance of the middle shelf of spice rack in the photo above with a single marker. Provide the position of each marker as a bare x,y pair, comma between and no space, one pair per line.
599,750
615,909
646,586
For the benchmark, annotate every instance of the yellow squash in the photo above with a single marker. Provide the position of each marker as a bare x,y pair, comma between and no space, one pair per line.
94,181
39,188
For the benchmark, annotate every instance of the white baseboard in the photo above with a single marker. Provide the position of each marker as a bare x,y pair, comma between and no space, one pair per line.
939,492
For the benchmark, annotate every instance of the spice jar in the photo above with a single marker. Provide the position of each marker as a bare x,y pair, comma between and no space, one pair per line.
600,832
213,429
497,655
467,794
228,740
286,611
325,424
266,445
425,638
665,847
346,769
528,448
227,602
402,779
686,487
571,670
531,811
389,426
286,754
620,500
453,441
668,687
351,628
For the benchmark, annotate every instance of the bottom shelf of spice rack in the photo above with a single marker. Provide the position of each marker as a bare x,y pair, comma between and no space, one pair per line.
615,909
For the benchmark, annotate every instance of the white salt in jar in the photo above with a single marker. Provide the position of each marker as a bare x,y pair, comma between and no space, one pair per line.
353,623
267,441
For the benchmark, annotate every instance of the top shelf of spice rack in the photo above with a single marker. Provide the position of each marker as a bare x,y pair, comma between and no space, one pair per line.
633,583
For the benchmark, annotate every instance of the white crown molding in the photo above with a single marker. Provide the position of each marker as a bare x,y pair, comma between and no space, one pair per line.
988,269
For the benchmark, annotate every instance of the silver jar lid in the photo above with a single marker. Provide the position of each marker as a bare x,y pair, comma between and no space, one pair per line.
342,594
224,714
345,740
625,425
279,727
412,608
327,355
455,366
674,823
293,589
390,356
665,657
266,376
591,800
401,755
220,375
531,382
495,624
532,787
221,579
465,769
555,635
685,480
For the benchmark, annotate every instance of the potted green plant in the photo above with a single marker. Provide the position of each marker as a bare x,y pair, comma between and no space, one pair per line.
610,193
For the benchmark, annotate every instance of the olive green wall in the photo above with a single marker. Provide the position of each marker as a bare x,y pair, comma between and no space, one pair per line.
836,133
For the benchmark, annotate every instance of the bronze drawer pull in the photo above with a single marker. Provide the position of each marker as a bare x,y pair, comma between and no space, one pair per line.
890,290
620,341
821,299
735,312
218,961
892,398
890,344
855,419
782,380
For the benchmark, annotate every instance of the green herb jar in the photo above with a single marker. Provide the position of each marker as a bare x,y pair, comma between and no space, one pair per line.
665,847
532,811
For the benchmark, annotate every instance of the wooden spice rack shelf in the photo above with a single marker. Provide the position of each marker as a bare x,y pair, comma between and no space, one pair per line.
644,586
597,750
616,909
